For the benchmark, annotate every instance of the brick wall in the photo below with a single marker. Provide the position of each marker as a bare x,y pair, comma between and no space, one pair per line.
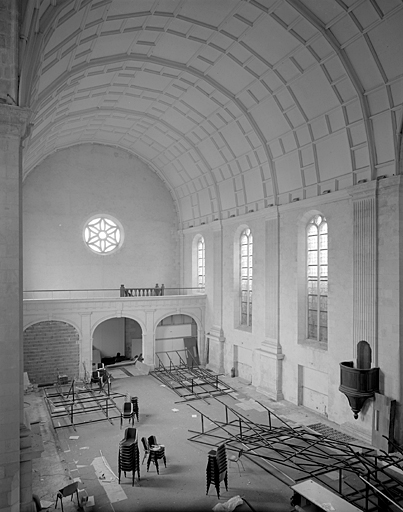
50,348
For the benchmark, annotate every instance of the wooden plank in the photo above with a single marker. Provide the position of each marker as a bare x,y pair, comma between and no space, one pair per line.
323,498
383,422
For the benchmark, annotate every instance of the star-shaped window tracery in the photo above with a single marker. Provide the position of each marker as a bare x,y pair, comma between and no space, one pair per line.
102,235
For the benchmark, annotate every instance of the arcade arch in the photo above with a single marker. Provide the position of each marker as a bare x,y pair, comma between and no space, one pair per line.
118,335
173,334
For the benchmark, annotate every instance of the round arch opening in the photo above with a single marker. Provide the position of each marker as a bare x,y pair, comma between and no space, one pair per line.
116,340
176,341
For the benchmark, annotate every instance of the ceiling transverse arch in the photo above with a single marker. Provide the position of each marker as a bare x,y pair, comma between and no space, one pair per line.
237,105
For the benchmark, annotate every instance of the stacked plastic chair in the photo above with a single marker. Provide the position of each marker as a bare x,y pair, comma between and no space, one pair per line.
217,470
128,411
129,455
146,447
156,452
135,403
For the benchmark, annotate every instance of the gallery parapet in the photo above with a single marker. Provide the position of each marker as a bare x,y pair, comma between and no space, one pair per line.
155,291
109,293
158,291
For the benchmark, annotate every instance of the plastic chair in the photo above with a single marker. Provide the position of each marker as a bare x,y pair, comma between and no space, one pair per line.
96,378
157,451
237,459
69,490
135,401
127,413
146,447
129,456
130,437
152,440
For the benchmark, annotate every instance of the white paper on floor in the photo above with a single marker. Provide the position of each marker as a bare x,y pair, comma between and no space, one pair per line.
112,488
46,504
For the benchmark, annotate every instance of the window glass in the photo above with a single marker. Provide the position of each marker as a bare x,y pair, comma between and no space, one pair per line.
317,278
246,271
201,263
103,235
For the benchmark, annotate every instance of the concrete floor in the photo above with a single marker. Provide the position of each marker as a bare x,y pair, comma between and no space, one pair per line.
91,451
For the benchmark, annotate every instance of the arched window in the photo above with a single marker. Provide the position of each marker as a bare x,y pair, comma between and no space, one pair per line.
317,278
246,260
201,264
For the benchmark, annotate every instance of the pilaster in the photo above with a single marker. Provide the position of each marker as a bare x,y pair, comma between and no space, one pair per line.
12,127
215,349
215,339
86,345
365,266
267,361
149,339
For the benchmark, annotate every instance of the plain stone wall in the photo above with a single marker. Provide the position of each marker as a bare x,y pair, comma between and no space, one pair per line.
290,361
72,185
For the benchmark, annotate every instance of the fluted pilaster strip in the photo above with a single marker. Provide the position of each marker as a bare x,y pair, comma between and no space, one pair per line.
364,273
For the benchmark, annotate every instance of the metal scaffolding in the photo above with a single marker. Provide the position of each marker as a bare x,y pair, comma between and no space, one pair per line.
186,378
78,404
357,473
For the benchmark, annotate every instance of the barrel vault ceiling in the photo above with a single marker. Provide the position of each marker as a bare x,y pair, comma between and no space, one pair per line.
237,105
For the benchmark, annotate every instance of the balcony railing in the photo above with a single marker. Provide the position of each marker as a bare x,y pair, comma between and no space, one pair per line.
158,291
109,293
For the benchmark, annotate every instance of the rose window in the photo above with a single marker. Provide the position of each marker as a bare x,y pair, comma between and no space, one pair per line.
103,235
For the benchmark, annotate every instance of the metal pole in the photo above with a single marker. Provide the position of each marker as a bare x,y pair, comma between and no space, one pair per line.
367,492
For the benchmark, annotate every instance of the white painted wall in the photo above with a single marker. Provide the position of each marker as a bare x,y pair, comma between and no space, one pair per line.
282,361
73,184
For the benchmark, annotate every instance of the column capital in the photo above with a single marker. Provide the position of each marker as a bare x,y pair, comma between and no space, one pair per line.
363,190
14,120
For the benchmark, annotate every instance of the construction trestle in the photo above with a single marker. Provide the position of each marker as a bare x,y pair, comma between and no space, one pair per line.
186,378
77,403
370,481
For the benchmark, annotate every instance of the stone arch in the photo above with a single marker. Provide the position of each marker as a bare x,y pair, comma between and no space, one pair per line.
56,319
127,328
127,314
180,331
51,348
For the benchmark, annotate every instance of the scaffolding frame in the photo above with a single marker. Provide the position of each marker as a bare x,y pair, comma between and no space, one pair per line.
187,379
79,399
357,473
